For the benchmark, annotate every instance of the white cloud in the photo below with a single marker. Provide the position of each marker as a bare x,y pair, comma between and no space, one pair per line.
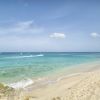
95,35
26,27
58,35
26,23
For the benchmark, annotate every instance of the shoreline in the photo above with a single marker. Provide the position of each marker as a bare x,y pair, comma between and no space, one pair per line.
58,75
79,86
60,88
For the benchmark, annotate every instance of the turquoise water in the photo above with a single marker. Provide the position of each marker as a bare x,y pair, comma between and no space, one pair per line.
17,66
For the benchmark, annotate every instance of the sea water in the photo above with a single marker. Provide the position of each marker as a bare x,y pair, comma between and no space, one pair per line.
18,66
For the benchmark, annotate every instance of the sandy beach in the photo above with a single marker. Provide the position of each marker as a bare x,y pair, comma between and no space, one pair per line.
80,86
49,49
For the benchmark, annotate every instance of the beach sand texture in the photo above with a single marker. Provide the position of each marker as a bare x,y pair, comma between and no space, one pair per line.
80,87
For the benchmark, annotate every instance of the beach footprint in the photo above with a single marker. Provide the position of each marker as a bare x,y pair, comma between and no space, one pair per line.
56,98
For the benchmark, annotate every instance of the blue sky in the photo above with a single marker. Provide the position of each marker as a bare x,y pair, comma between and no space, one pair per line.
50,25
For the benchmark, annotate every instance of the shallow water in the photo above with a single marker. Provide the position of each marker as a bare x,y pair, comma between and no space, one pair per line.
19,66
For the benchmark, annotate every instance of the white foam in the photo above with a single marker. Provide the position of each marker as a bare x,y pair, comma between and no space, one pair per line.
39,55
21,84
60,78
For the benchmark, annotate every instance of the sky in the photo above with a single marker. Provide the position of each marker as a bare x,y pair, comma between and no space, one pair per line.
49,25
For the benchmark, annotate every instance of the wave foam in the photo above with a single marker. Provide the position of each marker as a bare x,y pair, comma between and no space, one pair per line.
39,55
21,84
66,76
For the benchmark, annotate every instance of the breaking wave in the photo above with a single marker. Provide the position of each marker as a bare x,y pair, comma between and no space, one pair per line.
29,56
21,84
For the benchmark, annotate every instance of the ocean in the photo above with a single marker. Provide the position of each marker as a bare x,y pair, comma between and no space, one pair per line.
17,66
